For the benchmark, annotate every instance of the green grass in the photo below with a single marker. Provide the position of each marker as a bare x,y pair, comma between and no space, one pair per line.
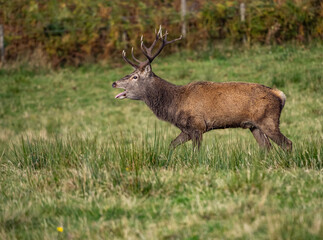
73,156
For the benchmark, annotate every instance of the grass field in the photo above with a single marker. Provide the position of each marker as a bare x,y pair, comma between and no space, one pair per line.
72,156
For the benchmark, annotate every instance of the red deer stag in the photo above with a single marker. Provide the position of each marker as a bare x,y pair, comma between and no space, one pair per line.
199,107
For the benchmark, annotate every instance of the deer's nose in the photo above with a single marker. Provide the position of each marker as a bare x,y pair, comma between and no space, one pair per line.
114,84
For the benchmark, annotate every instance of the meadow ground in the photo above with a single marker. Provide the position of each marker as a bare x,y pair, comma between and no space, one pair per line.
72,156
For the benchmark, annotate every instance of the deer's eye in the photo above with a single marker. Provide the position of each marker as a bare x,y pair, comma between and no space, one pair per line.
135,77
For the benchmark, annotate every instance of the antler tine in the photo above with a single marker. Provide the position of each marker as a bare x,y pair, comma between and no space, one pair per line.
165,36
144,50
128,61
148,51
174,40
160,32
154,43
142,45
133,56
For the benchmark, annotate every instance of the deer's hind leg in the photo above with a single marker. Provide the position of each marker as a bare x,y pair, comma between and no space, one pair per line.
261,138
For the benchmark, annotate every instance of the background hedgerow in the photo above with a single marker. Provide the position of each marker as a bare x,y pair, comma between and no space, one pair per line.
73,32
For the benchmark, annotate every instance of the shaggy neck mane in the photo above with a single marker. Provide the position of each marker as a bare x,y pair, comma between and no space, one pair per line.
159,95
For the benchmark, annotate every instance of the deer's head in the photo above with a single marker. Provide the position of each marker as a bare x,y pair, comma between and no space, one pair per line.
134,83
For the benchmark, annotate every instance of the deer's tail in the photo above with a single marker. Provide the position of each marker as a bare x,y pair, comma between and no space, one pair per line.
281,95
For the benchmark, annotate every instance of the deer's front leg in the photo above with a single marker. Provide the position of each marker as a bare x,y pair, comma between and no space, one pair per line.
180,139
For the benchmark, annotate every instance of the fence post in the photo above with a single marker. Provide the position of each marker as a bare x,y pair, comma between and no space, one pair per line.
2,43
183,14
243,19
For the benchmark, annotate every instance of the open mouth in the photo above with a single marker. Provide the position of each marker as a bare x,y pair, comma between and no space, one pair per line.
121,95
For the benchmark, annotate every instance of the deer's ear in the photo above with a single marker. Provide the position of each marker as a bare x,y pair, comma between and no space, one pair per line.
147,70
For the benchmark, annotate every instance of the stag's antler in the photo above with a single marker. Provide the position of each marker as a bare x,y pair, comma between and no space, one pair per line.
148,51
128,61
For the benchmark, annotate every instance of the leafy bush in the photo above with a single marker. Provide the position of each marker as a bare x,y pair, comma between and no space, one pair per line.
71,32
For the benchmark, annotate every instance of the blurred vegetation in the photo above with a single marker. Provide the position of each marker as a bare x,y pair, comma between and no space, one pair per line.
71,32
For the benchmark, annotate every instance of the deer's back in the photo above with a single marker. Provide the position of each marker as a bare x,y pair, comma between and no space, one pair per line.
222,105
